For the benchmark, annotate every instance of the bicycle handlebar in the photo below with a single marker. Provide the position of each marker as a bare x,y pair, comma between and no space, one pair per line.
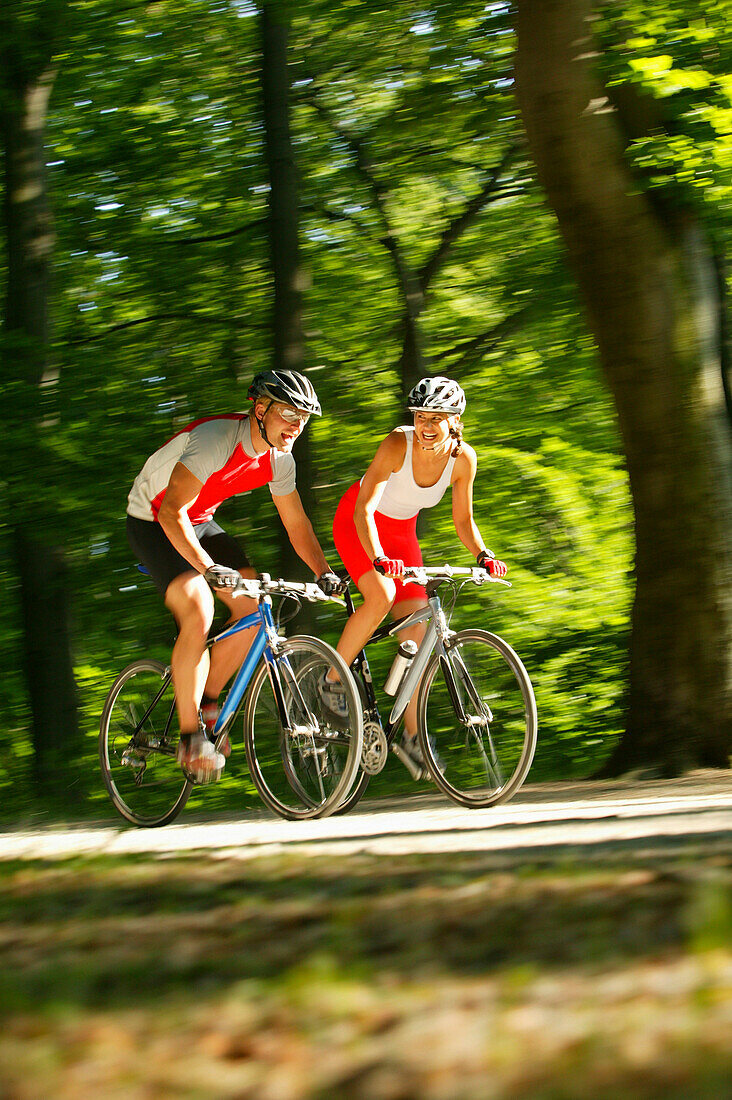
263,585
422,574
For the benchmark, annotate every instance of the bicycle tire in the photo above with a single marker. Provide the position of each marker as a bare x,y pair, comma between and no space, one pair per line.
484,761
310,772
363,779
139,765
356,794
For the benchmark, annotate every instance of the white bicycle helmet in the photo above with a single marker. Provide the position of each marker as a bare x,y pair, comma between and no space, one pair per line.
288,386
437,395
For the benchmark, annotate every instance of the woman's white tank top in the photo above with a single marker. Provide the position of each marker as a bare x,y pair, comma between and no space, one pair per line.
402,497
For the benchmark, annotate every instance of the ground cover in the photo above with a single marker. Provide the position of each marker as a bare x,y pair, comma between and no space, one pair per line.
605,973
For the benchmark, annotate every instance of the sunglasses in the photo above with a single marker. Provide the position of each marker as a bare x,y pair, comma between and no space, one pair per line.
292,416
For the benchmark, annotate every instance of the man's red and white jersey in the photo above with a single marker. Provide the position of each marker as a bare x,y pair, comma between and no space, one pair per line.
218,451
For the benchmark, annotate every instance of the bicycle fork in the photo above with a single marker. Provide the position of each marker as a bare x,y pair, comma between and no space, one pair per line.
476,723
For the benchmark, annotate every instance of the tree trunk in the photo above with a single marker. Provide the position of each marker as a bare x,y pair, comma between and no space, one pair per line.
26,372
46,659
648,281
287,328
412,362
288,338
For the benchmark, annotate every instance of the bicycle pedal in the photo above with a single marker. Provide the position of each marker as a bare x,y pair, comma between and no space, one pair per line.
203,777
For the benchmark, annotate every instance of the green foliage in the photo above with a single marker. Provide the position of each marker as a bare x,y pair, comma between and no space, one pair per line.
676,70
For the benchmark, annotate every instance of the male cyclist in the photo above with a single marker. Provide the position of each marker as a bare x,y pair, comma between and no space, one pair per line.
171,529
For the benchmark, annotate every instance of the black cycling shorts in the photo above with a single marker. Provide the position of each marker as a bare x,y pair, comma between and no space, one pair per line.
163,562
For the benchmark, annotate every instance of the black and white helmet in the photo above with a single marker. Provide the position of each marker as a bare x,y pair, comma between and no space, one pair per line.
288,386
437,395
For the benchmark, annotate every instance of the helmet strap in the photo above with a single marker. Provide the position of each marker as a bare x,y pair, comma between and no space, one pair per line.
444,446
260,424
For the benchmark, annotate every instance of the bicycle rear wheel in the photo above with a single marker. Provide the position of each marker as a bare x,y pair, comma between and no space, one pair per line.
138,740
305,766
482,758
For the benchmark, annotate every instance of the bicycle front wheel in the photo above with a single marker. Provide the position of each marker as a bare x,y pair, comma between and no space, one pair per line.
477,719
358,790
138,740
302,758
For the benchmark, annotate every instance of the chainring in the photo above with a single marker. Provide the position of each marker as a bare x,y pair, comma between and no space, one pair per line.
375,748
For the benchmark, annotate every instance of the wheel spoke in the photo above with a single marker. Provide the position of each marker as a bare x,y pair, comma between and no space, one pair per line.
138,761
491,768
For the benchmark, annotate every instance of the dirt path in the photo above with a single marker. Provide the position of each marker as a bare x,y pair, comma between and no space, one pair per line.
548,816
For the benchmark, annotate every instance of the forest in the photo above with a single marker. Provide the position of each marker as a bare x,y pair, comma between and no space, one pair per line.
534,199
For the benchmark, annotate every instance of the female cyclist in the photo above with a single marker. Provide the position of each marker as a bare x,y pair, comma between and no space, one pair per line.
375,523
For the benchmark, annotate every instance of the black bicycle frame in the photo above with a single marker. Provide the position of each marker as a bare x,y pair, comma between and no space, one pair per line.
361,666
163,748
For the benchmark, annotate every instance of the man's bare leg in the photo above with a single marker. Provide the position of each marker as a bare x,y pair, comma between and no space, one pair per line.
227,656
190,600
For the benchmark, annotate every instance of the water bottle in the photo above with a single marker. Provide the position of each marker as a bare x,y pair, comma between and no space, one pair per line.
402,661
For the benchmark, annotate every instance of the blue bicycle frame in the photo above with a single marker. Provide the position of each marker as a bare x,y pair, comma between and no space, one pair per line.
265,643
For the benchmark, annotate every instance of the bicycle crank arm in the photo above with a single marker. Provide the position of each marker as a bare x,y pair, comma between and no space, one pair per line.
414,769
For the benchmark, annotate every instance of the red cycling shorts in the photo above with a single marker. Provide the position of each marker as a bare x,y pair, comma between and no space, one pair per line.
398,540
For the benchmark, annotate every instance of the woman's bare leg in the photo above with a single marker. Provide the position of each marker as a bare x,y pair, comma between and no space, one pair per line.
378,595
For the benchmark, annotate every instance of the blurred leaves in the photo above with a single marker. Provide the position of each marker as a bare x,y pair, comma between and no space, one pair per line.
682,61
